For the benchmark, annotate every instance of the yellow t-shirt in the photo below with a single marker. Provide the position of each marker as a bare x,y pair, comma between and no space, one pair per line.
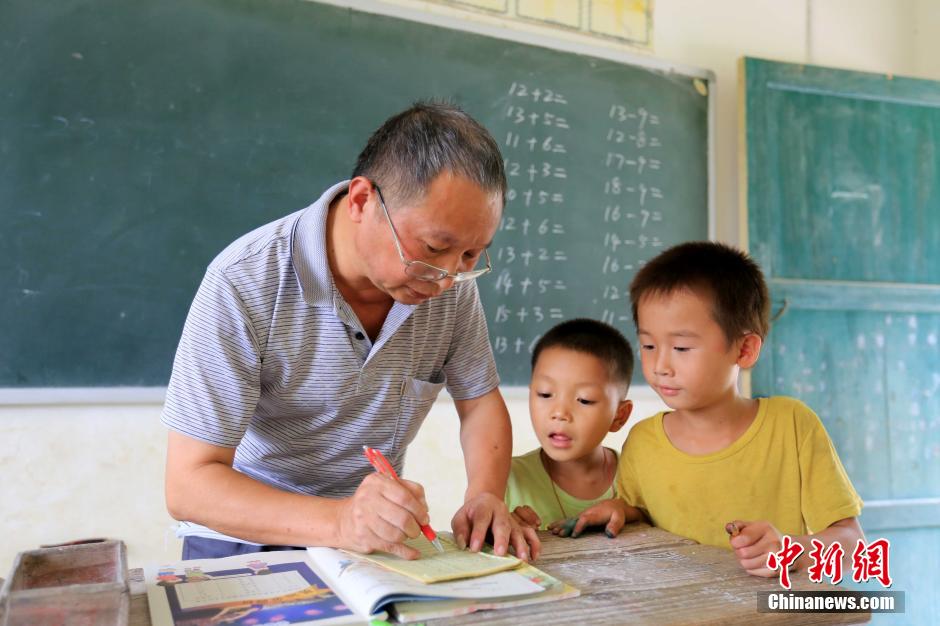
530,484
783,469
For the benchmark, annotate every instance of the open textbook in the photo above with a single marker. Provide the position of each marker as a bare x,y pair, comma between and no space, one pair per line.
367,587
325,586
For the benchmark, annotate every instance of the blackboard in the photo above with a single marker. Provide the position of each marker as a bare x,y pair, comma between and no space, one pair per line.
843,193
137,139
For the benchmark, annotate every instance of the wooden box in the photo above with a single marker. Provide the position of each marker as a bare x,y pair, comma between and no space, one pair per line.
69,585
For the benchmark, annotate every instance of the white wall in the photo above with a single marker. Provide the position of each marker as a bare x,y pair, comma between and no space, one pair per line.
71,471
927,39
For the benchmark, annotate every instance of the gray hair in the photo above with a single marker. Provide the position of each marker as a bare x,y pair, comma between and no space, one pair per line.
413,147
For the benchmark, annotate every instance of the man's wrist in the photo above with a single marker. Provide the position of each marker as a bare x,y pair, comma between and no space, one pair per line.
329,531
472,493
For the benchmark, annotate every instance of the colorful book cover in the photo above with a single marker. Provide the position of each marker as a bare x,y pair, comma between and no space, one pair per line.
245,590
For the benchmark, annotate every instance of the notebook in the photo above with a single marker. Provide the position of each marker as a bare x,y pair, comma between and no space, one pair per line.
452,564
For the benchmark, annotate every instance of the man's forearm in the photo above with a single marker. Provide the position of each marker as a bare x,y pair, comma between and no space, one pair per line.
486,439
213,494
487,469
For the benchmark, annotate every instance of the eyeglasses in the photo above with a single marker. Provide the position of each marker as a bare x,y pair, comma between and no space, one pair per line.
425,271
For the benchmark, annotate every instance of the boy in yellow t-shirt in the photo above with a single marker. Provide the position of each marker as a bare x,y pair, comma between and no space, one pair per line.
764,467
581,371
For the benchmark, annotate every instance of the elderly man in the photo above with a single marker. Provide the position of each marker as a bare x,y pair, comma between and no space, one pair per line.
336,327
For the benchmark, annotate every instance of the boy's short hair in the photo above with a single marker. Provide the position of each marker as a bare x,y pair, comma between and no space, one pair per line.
595,338
740,299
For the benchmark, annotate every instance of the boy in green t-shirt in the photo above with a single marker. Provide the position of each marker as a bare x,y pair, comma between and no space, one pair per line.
581,371
758,468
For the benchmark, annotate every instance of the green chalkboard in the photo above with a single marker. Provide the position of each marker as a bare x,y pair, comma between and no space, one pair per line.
843,192
137,139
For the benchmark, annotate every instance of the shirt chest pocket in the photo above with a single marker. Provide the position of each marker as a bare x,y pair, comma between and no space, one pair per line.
417,396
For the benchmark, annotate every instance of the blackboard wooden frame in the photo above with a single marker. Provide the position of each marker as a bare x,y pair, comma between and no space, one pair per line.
154,395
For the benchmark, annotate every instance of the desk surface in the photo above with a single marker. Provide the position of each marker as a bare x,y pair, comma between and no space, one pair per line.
643,576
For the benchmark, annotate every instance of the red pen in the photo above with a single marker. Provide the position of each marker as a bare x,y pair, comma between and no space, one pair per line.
382,466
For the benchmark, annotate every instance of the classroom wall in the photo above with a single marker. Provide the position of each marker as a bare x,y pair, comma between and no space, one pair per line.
926,42
81,470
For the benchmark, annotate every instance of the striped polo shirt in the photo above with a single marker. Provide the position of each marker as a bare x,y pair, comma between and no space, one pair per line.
273,362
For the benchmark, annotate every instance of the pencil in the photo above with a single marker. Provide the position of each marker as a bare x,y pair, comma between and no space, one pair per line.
382,466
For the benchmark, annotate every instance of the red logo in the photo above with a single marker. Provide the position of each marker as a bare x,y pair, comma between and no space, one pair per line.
828,562
868,562
782,560
871,562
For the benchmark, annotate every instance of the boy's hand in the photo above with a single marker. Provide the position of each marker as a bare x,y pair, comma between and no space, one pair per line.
752,542
612,514
526,516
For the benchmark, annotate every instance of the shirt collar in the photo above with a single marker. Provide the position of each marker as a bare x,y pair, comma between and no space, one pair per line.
309,249
312,264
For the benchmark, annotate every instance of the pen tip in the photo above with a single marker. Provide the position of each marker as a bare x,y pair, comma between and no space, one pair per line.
437,544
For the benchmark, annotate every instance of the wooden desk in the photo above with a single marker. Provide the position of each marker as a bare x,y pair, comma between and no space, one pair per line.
643,576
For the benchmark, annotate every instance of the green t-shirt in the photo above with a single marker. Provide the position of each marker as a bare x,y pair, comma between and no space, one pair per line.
530,484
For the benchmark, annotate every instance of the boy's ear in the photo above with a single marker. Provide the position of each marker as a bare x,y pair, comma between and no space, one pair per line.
624,409
749,350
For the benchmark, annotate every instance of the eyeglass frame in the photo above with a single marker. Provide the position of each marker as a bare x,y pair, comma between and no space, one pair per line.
442,273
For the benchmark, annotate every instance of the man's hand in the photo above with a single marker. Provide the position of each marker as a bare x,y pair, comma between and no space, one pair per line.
486,513
612,514
752,543
381,515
